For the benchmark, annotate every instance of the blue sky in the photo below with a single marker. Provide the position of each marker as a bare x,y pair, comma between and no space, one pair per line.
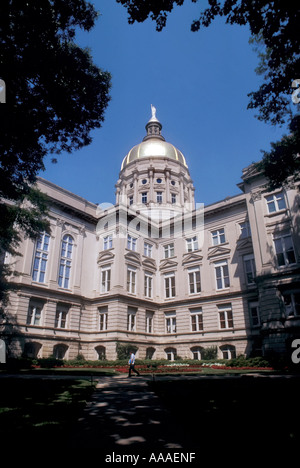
198,83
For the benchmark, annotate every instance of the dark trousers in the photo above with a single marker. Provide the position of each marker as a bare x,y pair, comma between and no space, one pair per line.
131,368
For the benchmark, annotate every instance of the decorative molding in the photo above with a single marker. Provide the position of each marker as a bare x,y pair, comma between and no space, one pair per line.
168,264
191,258
104,256
218,251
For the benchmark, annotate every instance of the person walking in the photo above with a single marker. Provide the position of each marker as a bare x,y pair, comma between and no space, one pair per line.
131,363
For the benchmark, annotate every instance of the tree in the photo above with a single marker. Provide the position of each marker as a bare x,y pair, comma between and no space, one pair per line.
274,28
55,97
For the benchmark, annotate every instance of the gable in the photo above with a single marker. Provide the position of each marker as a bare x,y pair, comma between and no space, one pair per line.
105,256
217,251
168,264
191,258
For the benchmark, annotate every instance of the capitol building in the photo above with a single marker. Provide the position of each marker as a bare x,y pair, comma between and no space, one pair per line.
157,269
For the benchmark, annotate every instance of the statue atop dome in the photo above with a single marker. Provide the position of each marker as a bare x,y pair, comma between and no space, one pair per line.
153,111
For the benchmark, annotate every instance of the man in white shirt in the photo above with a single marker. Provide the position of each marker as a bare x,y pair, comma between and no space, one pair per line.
131,363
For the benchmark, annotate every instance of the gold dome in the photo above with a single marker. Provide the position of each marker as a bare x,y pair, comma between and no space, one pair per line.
153,145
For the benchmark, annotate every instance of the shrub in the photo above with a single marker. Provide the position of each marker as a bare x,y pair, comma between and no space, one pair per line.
123,350
209,353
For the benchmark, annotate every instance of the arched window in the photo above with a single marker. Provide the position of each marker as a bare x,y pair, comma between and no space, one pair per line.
196,352
65,261
150,353
31,349
41,258
171,354
228,351
101,352
59,351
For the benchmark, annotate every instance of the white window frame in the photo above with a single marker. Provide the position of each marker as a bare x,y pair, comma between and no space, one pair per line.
61,317
41,258
131,242
131,319
34,314
144,197
148,249
196,352
218,236
173,198
105,278
171,353
149,321
284,252
148,285
192,244
169,250
170,321
230,351
194,280
225,317
170,286
196,320
159,197
131,279
275,202
64,273
249,269
103,316
108,242
223,278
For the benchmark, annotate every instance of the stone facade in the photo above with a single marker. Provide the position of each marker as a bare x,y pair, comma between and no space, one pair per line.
157,270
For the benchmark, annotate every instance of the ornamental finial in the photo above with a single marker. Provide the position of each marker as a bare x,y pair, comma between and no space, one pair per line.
153,111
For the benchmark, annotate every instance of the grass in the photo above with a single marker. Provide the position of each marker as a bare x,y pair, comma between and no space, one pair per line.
33,411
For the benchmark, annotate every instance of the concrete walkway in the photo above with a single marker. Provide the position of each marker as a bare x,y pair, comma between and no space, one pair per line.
126,417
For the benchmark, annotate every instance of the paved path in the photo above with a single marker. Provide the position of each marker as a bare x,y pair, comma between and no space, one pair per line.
126,417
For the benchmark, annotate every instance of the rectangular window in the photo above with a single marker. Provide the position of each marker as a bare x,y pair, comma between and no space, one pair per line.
131,243
169,250
173,198
103,313
254,313
61,317
284,249
131,200
196,319
34,315
105,278
225,316
170,285
245,230
159,197
249,266
218,237
192,244
107,242
291,303
149,321
131,280
148,285
222,275
170,318
144,197
194,280
41,258
275,202
148,249
131,315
